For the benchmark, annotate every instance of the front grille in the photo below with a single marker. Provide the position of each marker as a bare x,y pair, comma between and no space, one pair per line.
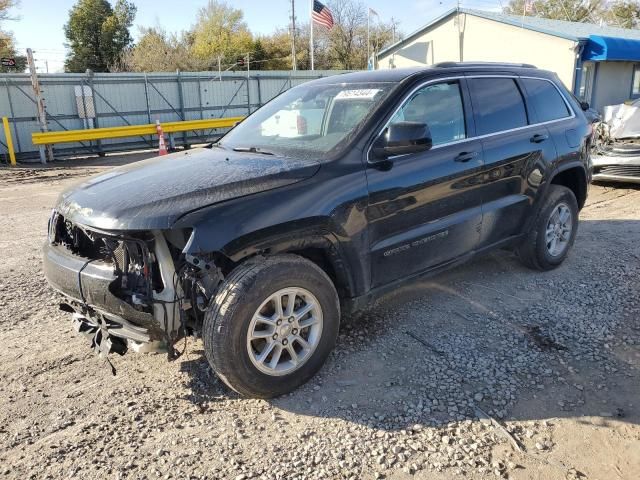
620,170
130,257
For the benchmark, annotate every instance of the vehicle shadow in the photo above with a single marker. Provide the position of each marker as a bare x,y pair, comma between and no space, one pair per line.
490,338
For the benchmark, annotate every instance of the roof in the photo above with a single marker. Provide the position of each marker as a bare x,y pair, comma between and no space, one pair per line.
397,75
364,76
575,31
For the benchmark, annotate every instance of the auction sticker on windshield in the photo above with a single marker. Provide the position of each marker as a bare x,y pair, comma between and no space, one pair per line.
361,93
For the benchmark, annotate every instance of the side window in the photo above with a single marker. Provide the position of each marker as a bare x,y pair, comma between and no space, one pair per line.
546,100
498,104
440,107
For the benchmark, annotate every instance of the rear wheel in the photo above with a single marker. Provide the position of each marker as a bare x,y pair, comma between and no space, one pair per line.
554,231
272,325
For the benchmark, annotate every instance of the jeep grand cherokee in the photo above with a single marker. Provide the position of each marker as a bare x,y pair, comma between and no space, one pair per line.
331,194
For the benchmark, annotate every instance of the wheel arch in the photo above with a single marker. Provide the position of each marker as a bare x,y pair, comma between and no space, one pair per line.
574,177
318,246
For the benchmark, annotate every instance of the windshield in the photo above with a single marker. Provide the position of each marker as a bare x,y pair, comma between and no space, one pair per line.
309,120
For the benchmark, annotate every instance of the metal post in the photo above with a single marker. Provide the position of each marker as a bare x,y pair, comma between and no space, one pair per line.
248,87
96,124
219,68
185,144
368,42
7,135
311,34
42,109
248,96
15,126
293,35
200,97
259,92
146,98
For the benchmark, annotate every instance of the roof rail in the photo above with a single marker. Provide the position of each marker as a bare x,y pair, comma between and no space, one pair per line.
482,64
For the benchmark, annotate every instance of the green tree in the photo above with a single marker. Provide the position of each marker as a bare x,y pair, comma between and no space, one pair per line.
220,31
584,11
98,34
345,45
276,49
159,51
623,13
7,43
8,49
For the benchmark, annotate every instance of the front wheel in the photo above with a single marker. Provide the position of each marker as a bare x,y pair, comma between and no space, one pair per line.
272,325
554,231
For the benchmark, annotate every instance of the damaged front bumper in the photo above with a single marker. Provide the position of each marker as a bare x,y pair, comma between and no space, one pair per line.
113,304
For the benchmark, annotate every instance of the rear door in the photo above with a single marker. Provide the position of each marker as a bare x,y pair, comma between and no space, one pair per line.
549,106
515,147
424,208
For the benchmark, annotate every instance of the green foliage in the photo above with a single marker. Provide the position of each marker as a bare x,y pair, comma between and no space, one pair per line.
7,42
571,10
345,45
159,51
8,49
220,31
98,34
623,13
617,13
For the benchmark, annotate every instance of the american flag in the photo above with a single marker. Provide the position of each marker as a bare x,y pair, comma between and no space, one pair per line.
322,15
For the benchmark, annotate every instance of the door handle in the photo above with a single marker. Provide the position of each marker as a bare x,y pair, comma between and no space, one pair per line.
465,156
539,138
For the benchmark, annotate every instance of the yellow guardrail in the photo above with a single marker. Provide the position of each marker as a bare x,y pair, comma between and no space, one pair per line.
67,136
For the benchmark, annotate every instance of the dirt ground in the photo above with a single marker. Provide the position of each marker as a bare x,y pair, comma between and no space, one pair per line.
488,371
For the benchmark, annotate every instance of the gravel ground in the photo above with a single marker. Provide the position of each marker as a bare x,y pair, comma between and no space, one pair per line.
488,371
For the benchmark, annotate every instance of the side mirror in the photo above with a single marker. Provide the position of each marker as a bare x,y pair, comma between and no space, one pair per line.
401,138
584,106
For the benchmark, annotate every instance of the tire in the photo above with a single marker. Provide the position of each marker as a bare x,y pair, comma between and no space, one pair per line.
535,251
254,288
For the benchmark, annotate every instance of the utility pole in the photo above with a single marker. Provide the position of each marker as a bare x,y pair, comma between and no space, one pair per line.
393,31
368,42
219,69
293,36
460,44
311,34
248,74
42,109
393,41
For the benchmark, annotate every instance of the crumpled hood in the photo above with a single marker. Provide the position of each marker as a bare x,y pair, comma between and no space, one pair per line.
154,193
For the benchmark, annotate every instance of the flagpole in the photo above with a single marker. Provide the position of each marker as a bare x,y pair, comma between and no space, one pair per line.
368,42
311,33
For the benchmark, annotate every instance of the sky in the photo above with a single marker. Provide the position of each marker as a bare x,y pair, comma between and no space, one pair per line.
39,23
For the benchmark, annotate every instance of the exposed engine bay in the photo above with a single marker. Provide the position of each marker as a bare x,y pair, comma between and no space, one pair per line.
153,296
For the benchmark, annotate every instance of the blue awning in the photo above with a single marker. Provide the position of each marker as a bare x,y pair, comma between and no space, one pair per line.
600,48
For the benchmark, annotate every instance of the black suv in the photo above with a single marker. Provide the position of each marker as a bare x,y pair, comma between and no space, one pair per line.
331,194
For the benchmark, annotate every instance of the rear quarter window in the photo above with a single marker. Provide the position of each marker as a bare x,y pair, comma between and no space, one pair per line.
546,100
498,104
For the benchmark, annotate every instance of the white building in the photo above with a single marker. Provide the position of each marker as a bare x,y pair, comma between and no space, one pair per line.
601,65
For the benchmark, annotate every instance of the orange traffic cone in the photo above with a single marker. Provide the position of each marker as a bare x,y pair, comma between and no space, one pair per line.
162,146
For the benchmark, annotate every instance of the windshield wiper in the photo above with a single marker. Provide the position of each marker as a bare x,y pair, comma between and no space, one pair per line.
252,150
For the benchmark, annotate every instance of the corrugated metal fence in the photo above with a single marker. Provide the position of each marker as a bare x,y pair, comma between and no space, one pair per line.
77,101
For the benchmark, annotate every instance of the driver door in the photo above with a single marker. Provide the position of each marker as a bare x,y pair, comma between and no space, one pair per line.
425,208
